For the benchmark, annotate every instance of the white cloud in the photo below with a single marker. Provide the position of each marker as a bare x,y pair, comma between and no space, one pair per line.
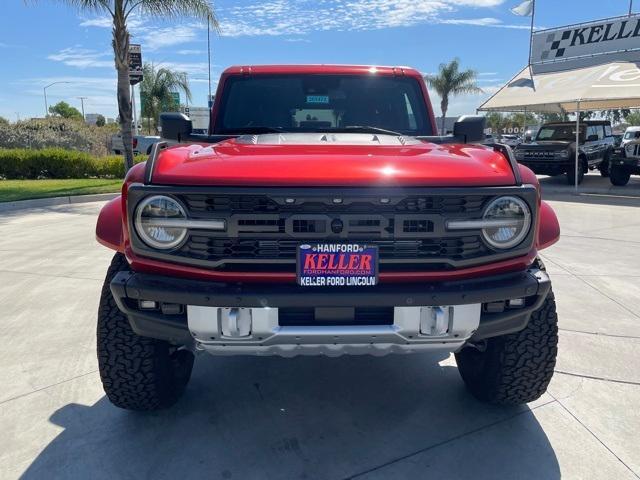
102,22
287,17
156,38
107,22
191,52
297,18
83,58
482,22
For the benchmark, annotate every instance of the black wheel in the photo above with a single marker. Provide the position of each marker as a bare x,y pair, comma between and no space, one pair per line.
516,368
619,176
137,373
604,166
571,173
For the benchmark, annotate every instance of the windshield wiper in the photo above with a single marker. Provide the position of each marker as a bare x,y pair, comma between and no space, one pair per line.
369,129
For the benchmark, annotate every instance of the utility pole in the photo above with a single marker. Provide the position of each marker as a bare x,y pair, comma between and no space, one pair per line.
82,99
630,7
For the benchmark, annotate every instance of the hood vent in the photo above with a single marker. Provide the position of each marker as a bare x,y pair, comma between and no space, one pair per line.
326,139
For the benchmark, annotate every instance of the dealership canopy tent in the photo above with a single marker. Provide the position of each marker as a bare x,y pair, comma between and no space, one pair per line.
600,87
596,87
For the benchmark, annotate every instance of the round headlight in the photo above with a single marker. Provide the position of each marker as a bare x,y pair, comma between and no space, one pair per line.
508,220
158,221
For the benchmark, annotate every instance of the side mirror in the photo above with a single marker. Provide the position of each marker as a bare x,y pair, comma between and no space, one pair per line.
175,126
592,138
470,127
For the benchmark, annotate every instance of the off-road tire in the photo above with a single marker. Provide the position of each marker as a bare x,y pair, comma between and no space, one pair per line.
605,165
571,173
137,373
515,368
619,176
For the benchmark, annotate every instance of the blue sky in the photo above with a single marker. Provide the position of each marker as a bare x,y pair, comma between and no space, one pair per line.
47,41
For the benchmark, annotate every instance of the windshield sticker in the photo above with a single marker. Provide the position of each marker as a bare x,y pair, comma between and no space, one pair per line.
324,99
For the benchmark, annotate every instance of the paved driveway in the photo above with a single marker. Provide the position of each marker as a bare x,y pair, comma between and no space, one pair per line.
317,418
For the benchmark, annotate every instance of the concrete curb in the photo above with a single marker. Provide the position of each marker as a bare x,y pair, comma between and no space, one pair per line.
51,202
612,191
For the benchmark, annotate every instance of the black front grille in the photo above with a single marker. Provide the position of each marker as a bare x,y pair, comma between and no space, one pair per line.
264,226
539,154
409,230
219,249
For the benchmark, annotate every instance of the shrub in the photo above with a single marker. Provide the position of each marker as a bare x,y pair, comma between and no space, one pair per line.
20,163
56,132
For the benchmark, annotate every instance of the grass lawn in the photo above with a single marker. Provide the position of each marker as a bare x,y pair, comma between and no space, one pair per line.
12,190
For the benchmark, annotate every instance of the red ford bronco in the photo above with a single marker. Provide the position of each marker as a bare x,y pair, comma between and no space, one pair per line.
322,215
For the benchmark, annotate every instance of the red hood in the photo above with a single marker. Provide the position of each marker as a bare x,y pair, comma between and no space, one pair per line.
247,164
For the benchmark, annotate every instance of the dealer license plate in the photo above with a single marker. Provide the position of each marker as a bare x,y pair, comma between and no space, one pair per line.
337,265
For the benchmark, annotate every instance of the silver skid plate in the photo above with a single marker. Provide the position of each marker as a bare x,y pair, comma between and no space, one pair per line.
255,331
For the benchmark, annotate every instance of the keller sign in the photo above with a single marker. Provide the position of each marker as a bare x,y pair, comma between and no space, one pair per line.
621,34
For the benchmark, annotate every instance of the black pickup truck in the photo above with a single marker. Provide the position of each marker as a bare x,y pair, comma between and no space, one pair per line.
553,150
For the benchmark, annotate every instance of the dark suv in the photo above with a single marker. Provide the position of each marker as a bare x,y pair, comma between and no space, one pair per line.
553,150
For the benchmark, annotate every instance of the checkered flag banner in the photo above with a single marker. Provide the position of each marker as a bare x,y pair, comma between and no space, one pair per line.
556,43
525,9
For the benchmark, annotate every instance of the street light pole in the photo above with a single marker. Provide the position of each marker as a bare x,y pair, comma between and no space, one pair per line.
82,99
46,105
209,103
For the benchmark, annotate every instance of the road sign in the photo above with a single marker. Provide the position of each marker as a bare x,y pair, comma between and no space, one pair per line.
135,63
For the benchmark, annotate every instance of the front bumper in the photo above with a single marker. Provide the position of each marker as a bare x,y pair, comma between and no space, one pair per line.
630,164
190,322
553,166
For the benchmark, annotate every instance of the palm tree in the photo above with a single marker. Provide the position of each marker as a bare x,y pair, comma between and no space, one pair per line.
451,81
156,90
120,11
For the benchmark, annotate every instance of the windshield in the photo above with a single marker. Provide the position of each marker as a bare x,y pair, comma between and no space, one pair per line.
630,135
559,132
322,103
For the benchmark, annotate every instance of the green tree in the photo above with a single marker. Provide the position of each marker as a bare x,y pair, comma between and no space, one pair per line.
553,117
450,81
156,91
522,119
120,12
496,122
100,121
4,121
64,110
633,118
616,115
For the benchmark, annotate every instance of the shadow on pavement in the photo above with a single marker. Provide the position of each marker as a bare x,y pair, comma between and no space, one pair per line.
301,418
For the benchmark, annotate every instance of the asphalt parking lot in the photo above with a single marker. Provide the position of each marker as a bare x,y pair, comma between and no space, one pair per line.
318,418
